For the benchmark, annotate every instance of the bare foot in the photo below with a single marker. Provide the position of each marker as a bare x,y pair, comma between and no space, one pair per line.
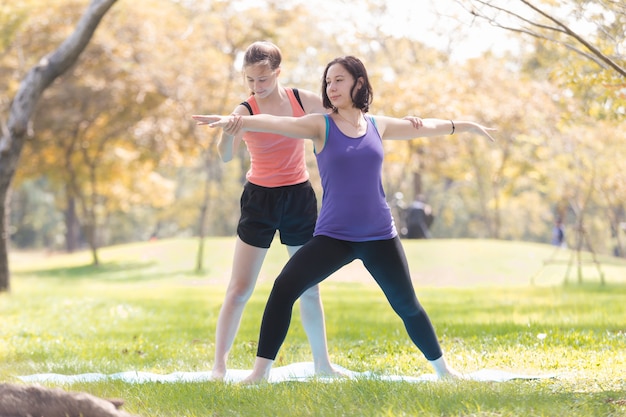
329,371
254,379
260,371
218,374
450,375
444,371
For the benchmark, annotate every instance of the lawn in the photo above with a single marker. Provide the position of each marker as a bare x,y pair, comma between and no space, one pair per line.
494,304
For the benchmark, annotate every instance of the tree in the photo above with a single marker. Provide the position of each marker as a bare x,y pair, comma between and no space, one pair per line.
36,81
86,147
542,22
594,30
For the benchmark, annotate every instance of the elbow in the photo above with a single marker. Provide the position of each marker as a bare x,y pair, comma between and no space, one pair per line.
225,156
225,152
226,148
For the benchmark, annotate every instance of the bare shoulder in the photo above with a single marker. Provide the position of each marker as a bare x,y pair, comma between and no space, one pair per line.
314,119
242,110
394,128
380,120
311,101
314,124
308,94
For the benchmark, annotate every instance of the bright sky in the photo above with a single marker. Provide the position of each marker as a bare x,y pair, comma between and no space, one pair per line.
442,24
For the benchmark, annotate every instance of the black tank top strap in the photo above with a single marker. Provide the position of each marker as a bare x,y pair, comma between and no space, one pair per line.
247,105
297,95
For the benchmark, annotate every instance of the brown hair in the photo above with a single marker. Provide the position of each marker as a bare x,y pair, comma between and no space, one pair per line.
263,52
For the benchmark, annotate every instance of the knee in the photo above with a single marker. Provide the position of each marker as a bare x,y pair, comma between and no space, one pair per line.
287,287
239,294
408,309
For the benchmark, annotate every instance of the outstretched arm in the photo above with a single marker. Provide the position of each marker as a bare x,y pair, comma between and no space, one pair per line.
306,127
435,127
392,128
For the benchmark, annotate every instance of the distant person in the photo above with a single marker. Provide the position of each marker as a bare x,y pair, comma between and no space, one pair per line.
418,218
558,234
355,221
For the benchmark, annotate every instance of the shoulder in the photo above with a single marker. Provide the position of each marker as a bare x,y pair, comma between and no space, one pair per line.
380,122
376,120
312,102
314,124
318,118
242,110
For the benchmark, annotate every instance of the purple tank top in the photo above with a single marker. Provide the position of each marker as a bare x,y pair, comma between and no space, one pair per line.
354,207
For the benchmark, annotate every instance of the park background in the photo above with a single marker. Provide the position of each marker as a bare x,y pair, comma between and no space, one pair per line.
112,155
120,217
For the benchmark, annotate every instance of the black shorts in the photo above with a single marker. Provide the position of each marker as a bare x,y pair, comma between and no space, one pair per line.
292,210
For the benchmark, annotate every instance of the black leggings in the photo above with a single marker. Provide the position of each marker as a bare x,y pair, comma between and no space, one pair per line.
319,258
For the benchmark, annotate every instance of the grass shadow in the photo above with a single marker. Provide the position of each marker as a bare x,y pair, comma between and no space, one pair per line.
117,271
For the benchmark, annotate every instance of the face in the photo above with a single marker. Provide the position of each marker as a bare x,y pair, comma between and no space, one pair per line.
339,83
261,79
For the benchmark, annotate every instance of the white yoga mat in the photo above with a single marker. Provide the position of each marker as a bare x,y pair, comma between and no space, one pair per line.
301,371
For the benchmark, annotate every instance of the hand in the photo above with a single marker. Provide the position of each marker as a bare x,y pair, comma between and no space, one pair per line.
484,131
415,121
212,120
233,127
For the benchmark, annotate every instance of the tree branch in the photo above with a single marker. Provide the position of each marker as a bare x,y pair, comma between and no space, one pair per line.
594,53
53,65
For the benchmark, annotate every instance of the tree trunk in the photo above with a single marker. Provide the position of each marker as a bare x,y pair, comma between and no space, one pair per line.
72,226
5,284
37,80
204,211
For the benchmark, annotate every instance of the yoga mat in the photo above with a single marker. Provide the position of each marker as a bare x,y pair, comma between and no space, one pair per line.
301,371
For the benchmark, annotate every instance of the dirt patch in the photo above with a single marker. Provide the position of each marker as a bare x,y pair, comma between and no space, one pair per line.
35,400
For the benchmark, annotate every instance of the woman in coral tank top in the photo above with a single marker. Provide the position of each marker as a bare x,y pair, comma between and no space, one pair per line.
277,196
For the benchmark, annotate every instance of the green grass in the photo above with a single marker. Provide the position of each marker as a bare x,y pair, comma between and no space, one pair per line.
145,309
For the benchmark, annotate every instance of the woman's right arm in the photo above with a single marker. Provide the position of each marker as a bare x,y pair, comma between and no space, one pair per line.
311,126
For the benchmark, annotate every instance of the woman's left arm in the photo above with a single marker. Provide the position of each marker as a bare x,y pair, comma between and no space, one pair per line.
400,129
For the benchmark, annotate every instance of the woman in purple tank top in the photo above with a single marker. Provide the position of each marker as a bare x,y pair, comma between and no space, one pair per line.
355,221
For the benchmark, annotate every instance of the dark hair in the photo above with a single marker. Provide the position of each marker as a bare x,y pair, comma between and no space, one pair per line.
362,97
263,52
